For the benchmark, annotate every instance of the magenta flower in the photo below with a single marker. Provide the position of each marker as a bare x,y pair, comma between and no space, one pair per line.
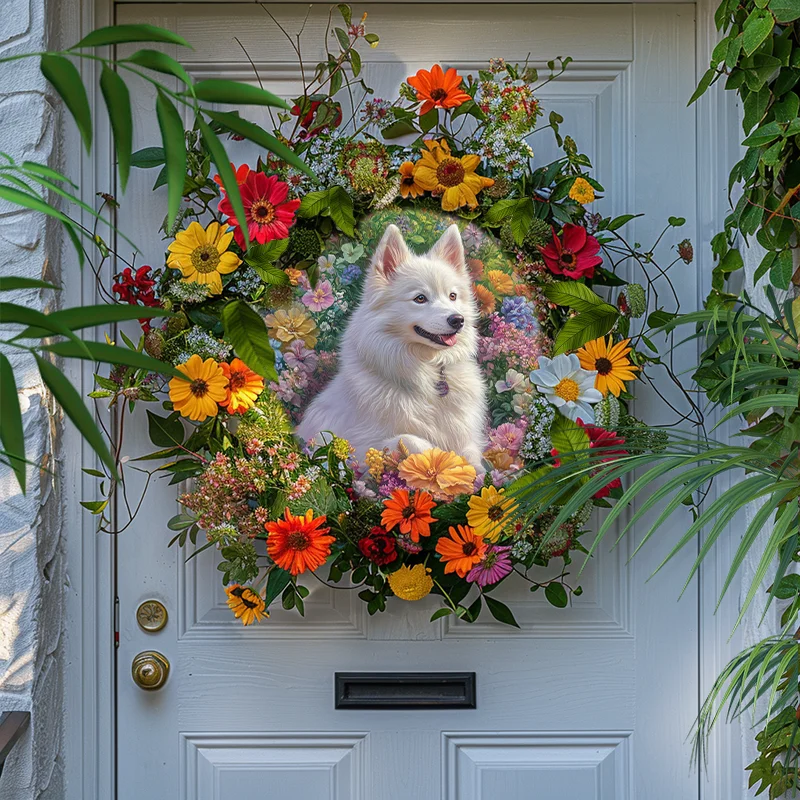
320,297
493,567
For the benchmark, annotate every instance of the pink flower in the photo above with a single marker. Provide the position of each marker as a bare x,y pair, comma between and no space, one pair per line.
299,356
493,567
507,437
574,255
320,297
268,213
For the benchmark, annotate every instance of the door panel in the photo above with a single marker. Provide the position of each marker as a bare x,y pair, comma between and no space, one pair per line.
590,702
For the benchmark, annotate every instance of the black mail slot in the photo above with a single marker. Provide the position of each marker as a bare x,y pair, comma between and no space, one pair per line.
404,690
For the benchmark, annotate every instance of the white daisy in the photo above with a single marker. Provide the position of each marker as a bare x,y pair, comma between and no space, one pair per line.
325,263
563,382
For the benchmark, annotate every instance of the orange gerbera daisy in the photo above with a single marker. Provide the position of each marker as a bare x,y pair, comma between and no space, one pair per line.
411,512
438,471
244,386
408,183
611,362
502,282
462,551
298,543
438,89
486,300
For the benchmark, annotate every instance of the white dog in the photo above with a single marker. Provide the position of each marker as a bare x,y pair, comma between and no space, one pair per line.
408,366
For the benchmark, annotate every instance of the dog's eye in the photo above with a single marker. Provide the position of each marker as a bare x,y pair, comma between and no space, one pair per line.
420,298
453,295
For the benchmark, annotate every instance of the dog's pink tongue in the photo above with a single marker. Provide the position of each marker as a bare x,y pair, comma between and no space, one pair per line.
450,339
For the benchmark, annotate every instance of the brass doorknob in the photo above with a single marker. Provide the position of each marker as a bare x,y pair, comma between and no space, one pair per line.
150,670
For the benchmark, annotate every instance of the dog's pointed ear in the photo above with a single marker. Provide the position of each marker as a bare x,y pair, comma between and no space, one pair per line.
392,251
450,248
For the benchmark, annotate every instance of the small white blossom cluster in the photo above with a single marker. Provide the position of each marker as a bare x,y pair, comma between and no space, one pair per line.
537,444
187,292
245,281
323,158
198,342
521,549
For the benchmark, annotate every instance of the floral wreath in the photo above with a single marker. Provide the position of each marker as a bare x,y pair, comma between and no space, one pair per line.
256,320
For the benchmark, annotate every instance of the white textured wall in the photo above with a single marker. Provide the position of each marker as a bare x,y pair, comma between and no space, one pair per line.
32,575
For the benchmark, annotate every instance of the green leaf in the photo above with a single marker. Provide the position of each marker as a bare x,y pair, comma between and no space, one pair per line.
586,327
171,125
575,295
12,282
372,39
429,120
265,255
165,431
259,136
346,12
247,333
218,90
705,82
788,587
66,80
81,317
618,222
500,611
568,437
229,182
785,10
441,612
344,39
148,157
313,204
118,103
763,135
22,315
340,205
780,274
112,354
556,595
274,276
277,581
757,27
355,61
500,211
400,128
47,172
124,34
521,219
12,434
73,406
158,62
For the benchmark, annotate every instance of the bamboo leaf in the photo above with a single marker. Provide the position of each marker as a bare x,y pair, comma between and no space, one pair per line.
217,90
66,80
118,104
12,282
73,406
158,62
220,158
12,434
82,317
125,34
169,121
113,354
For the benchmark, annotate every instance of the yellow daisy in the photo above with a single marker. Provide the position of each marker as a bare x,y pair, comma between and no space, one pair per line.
198,395
411,583
452,178
202,255
489,512
582,191
611,363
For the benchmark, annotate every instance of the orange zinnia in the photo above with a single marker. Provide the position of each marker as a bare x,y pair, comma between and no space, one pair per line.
411,513
408,183
244,386
298,543
462,551
438,89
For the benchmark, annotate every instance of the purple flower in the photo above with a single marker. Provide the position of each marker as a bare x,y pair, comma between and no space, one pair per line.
494,566
320,297
390,482
519,311
299,356
350,274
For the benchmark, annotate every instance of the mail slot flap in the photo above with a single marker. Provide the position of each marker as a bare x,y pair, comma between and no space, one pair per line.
404,690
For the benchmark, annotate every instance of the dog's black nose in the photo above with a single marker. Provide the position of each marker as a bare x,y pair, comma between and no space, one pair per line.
456,321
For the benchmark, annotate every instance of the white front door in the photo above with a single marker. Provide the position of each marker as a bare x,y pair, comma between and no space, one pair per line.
592,702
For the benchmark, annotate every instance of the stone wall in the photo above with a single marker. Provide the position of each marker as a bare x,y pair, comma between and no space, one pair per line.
32,573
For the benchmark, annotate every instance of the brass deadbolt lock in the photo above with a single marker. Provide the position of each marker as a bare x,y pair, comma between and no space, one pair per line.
150,670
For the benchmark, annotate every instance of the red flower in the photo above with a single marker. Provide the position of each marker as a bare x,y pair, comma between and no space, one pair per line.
378,546
268,213
574,255
331,115
611,445
241,175
137,290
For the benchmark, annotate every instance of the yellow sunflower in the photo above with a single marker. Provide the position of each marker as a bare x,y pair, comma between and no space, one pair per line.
611,362
411,583
290,324
452,178
582,191
246,604
489,512
205,386
202,255
438,471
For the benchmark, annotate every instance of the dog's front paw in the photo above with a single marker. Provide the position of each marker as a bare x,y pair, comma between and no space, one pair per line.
414,444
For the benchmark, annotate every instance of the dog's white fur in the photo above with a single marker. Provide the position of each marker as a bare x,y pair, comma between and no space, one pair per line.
386,386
